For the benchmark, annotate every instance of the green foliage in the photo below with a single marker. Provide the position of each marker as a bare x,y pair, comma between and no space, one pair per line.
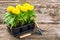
23,18
11,19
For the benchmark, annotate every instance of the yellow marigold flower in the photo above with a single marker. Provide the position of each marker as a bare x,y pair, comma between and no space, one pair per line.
10,8
24,9
16,11
26,5
18,6
31,7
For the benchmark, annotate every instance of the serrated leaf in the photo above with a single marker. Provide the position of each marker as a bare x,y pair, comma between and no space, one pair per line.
6,14
6,20
11,21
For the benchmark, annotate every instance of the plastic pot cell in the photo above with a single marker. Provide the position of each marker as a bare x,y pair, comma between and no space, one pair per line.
21,29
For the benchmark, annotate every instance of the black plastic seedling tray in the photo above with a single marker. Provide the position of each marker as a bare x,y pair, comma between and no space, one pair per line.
21,29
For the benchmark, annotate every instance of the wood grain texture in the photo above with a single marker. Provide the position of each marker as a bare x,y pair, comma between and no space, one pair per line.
47,11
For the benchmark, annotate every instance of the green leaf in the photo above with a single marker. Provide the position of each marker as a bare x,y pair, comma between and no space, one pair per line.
11,20
7,19
6,15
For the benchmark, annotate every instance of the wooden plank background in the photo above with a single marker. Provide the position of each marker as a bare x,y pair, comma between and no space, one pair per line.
47,11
